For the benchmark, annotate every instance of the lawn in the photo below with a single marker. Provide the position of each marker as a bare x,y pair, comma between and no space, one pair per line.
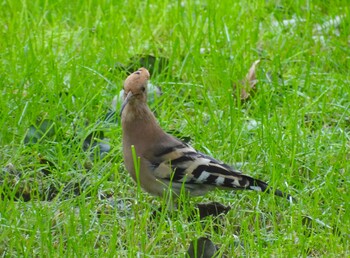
63,62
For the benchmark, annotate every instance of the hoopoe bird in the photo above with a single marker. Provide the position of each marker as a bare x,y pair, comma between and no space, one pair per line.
165,161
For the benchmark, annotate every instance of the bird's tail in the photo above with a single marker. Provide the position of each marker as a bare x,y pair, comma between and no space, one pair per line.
240,181
258,185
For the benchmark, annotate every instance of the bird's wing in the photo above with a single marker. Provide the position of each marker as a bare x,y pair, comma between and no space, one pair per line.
182,163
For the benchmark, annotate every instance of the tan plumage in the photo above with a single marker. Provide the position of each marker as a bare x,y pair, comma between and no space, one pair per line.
165,159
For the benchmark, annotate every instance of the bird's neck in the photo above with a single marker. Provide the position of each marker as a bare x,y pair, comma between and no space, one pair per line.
138,119
137,112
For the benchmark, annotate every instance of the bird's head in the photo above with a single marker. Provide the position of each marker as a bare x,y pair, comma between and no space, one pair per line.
135,87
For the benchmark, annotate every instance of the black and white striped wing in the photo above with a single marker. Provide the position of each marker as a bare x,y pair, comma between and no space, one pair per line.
183,164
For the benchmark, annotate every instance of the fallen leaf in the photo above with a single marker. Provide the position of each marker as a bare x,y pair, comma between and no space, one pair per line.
202,247
155,65
212,209
248,84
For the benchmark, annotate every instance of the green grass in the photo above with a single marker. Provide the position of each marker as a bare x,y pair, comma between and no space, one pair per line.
57,63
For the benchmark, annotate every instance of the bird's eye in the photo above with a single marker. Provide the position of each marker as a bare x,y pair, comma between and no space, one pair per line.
143,88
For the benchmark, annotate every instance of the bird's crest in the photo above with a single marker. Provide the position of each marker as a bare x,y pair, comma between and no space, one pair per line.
137,81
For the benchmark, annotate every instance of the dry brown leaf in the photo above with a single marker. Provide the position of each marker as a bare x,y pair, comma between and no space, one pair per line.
248,84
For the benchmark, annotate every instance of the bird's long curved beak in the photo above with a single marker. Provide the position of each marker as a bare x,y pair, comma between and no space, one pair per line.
126,100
